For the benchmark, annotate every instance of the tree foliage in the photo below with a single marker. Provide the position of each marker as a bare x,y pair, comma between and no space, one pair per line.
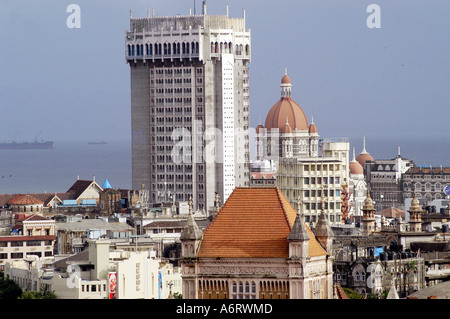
9,289
352,294
42,294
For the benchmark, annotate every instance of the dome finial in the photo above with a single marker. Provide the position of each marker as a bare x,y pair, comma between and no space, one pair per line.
364,144
285,85
354,158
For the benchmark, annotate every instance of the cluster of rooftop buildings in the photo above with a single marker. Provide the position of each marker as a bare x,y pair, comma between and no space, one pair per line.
300,221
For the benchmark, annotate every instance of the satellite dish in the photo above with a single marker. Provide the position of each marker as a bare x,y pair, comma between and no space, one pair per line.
447,190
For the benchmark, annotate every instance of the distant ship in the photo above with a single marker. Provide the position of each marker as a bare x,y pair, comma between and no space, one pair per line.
97,143
26,145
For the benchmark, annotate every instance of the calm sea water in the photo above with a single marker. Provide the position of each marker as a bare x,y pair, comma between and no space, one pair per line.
55,170
39,171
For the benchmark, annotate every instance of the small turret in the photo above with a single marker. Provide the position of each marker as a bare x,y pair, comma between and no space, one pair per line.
298,237
368,220
191,235
323,231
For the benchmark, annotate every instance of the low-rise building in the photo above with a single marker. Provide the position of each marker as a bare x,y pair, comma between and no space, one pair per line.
99,273
72,237
31,235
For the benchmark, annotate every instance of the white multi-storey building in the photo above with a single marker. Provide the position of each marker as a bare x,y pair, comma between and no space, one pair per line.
98,273
189,106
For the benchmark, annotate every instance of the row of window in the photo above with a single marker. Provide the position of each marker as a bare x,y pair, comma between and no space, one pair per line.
321,180
423,187
29,243
93,287
318,205
184,48
172,101
158,49
319,193
4,256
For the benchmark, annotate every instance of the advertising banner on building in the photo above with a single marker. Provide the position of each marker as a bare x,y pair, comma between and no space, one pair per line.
159,285
112,280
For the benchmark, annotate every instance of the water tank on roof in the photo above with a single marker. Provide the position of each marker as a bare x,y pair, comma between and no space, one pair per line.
70,202
89,202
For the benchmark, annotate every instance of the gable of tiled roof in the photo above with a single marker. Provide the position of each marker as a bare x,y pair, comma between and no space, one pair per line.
35,217
253,222
80,186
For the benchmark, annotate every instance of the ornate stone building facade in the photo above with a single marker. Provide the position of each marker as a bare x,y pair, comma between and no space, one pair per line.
384,179
257,247
425,182
307,167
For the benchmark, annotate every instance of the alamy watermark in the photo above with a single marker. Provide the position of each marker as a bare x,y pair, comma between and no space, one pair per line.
374,19
74,19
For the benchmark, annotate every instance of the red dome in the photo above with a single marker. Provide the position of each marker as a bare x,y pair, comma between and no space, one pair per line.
286,108
363,158
285,79
355,168
313,128
258,128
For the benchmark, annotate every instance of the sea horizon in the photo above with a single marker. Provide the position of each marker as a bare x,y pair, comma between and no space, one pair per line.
57,169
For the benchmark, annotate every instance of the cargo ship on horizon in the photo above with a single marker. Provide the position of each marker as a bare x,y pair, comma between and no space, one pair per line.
26,145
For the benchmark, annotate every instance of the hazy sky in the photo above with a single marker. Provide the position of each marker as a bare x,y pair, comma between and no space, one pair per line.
388,82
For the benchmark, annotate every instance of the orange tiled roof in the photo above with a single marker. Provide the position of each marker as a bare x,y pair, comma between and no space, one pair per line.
339,292
24,200
428,170
253,222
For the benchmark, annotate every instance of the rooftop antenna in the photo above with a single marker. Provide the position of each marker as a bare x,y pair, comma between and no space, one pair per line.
204,7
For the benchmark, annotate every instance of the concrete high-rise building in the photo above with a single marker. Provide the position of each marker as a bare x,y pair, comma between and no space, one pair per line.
189,106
